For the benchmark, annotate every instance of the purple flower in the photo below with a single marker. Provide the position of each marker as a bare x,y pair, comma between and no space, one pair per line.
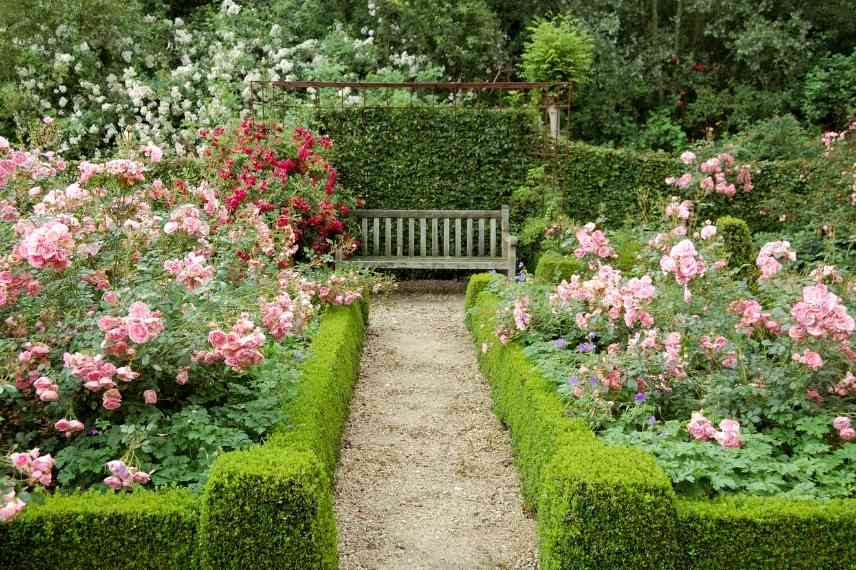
585,347
560,343
639,397
573,380
652,420
593,381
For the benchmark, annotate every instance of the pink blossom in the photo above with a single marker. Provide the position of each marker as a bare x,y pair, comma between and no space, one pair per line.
809,358
49,245
752,317
143,324
770,253
239,348
700,428
684,262
153,153
592,241
188,219
37,467
820,314
95,373
845,386
688,157
46,389
112,399
711,166
182,377
729,434
150,397
680,210
708,231
191,272
68,427
11,506
123,476
521,314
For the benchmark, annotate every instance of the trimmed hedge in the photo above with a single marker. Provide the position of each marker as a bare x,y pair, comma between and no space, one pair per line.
427,157
268,506
92,530
603,507
601,180
554,267
272,506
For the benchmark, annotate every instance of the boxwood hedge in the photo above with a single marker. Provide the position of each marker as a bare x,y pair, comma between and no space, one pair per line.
269,506
603,507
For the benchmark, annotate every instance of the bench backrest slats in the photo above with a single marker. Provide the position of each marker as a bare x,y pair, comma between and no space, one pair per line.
436,238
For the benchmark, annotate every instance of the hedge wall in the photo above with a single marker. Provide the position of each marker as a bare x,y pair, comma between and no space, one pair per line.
603,180
269,506
605,507
424,157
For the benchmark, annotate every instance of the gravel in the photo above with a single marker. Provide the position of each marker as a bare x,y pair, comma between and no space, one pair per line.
426,477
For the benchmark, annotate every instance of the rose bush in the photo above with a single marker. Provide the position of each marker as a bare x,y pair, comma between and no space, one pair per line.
137,311
732,384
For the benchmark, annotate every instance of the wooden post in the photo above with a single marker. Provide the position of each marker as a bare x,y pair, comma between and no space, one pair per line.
512,257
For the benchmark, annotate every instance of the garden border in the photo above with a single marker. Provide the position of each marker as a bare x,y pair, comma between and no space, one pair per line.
613,507
285,483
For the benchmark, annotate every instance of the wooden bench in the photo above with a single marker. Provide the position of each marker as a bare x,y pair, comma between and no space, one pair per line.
435,239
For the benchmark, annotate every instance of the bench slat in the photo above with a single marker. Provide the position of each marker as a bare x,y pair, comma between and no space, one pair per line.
435,237
429,263
493,238
446,245
469,237
388,244
481,238
399,238
411,225
458,237
365,240
423,237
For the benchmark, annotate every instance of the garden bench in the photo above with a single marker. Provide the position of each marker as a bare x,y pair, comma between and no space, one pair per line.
435,239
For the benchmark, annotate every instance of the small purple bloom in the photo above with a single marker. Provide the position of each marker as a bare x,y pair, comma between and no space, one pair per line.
560,343
593,381
652,420
585,347
573,380
639,397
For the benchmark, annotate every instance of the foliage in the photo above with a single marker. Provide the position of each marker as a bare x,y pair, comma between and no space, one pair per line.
558,50
660,132
736,241
399,158
828,91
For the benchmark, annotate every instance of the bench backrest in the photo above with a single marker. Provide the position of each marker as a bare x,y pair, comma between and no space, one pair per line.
433,233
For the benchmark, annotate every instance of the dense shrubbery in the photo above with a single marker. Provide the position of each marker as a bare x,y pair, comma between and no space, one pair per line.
735,376
138,311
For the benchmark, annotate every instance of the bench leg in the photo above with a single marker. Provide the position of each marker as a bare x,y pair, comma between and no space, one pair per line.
512,258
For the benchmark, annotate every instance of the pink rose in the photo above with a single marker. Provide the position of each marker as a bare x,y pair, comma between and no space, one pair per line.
150,397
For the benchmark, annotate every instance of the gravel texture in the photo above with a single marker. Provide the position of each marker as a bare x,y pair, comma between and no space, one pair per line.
426,478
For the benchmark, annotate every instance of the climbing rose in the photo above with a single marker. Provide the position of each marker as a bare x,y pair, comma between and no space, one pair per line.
123,476
188,219
112,399
46,389
190,272
153,153
593,242
150,397
809,358
143,324
239,348
68,427
845,429
688,157
820,314
708,231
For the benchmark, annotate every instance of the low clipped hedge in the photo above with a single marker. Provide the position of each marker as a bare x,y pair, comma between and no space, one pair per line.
268,506
604,507
271,506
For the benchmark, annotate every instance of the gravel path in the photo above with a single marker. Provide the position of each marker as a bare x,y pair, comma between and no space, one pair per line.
426,479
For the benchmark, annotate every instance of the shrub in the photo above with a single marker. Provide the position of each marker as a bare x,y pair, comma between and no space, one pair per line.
737,240
559,50
554,267
828,91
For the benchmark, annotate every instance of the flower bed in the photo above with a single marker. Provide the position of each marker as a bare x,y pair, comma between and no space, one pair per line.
266,506
603,506
141,312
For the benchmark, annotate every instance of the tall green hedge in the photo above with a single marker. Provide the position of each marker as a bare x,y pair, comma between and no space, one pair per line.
602,507
600,180
427,157
268,506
